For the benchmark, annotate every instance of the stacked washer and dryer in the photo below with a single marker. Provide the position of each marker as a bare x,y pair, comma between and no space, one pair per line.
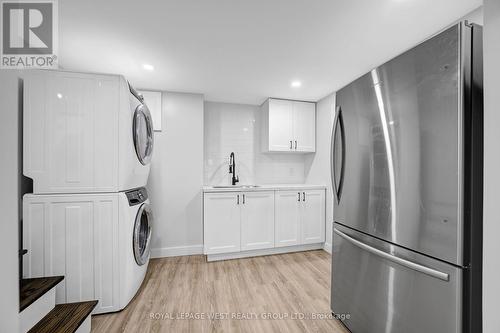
87,146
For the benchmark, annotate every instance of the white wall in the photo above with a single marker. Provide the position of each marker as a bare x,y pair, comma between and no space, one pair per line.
9,138
177,177
491,221
236,128
318,165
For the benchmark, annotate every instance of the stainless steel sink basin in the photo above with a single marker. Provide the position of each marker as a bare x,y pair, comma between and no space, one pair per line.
235,186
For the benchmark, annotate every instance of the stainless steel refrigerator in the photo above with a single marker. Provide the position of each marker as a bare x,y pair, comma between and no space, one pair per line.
407,154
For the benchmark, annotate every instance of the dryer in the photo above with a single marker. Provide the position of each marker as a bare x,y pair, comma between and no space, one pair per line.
84,133
99,242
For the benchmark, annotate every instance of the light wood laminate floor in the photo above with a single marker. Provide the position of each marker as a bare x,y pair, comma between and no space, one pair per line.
285,287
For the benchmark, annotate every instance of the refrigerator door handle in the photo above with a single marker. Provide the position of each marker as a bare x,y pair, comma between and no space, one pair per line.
337,122
403,262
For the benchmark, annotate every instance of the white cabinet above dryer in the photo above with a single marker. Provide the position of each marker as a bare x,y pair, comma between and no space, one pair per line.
84,133
288,126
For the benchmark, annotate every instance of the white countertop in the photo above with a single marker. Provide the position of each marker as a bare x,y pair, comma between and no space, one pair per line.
264,187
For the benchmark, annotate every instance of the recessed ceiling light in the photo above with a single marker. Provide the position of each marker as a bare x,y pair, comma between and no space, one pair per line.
148,67
296,84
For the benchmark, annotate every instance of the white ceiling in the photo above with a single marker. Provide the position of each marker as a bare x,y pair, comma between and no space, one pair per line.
243,51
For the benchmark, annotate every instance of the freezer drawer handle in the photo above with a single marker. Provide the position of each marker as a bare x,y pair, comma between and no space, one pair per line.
402,262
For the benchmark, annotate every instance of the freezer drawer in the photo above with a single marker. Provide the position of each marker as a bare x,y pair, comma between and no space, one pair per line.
380,287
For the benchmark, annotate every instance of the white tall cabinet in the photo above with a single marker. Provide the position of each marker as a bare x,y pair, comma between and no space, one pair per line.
288,126
76,236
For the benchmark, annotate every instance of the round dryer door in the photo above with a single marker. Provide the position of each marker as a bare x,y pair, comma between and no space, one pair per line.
142,234
143,133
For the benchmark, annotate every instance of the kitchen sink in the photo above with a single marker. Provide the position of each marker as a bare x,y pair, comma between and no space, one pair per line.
236,186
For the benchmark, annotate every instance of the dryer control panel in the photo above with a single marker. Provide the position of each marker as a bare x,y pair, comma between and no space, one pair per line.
137,196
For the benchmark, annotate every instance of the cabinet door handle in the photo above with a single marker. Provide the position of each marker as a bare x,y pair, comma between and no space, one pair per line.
290,144
298,193
243,199
303,196
295,144
238,199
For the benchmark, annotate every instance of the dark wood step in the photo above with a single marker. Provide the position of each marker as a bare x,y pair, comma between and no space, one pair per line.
64,318
33,289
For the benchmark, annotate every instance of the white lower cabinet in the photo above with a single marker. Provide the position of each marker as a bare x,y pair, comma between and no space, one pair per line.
259,220
287,222
312,217
240,221
221,223
300,217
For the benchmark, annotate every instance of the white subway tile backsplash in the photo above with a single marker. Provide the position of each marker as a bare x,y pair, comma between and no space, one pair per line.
236,128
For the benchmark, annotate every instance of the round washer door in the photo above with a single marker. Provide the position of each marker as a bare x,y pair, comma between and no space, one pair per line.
143,133
142,234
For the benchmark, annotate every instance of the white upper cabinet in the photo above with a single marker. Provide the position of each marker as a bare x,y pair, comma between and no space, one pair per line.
280,117
304,126
288,126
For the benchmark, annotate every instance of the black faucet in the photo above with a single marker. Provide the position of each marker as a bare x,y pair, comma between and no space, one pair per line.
232,169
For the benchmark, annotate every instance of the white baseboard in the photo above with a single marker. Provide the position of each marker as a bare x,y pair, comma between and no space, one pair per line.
328,247
264,252
176,251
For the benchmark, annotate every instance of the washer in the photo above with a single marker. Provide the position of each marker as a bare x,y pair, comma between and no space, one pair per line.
135,240
99,242
84,133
